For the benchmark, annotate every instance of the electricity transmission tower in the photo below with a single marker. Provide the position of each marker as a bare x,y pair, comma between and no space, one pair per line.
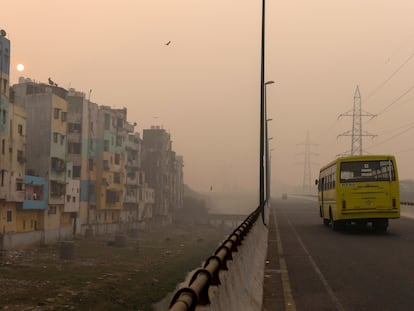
356,133
307,168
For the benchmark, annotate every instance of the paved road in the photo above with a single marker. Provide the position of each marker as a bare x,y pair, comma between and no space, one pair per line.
312,267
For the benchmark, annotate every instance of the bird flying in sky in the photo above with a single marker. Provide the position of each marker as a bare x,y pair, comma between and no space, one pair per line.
168,43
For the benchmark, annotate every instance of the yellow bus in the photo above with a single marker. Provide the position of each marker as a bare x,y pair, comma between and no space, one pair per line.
359,190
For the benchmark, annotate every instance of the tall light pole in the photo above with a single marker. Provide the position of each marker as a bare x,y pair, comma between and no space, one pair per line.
270,170
267,197
262,116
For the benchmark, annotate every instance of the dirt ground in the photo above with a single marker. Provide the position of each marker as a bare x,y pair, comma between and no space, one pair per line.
103,276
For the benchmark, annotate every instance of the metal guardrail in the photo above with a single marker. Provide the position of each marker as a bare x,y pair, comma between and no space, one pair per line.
406,203
196,293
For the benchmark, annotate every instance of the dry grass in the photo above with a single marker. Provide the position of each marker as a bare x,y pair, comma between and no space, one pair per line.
101,276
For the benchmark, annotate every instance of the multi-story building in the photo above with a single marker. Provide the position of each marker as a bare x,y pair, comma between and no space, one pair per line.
46,146
159,166
7,206
130,213
178,182
110,164
82,152
18,155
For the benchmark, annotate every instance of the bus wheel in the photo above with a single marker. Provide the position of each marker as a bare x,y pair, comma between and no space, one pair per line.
380,225
335,224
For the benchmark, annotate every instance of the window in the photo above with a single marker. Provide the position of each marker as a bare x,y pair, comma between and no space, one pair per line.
117,158
19,185
106,145
20,158
4,116
117,178
68,198
9,216
3,146
69,174
90,164
76,171
382,170
119,140
63,116
20,129
73,199
56,113
74,127
55,137
58,165
51,209
62,139
107,121
74,148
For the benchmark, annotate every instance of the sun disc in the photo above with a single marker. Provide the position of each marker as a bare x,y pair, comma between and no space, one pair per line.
20,67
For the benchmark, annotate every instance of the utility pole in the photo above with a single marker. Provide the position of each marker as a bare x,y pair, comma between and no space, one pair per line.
262,118
307,168
356,133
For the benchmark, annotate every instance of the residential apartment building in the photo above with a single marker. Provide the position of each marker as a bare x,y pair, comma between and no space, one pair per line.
68,165
160,167
110,164
7,207
132,189
46,141
82,153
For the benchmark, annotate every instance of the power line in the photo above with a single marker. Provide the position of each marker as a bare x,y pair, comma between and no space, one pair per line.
390,77
396,135
396,100
396,129
406,150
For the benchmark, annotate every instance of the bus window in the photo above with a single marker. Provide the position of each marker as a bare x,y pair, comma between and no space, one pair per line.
367,171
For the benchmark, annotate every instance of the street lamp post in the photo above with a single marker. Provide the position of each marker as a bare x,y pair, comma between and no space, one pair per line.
262,117
270,170
267,168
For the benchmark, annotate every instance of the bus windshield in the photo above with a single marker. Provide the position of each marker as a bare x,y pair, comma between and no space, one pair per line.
380,170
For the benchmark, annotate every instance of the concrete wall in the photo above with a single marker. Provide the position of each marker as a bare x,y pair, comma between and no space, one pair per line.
22,240
242,284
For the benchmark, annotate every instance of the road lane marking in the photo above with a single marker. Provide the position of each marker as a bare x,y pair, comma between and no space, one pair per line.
315,267
284,274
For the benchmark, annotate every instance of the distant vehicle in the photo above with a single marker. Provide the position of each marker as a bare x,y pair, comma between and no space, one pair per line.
360,190
284,196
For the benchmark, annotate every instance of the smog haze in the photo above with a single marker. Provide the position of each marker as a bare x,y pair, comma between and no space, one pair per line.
193,67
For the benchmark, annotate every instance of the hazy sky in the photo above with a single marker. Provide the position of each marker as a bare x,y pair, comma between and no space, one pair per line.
205,86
